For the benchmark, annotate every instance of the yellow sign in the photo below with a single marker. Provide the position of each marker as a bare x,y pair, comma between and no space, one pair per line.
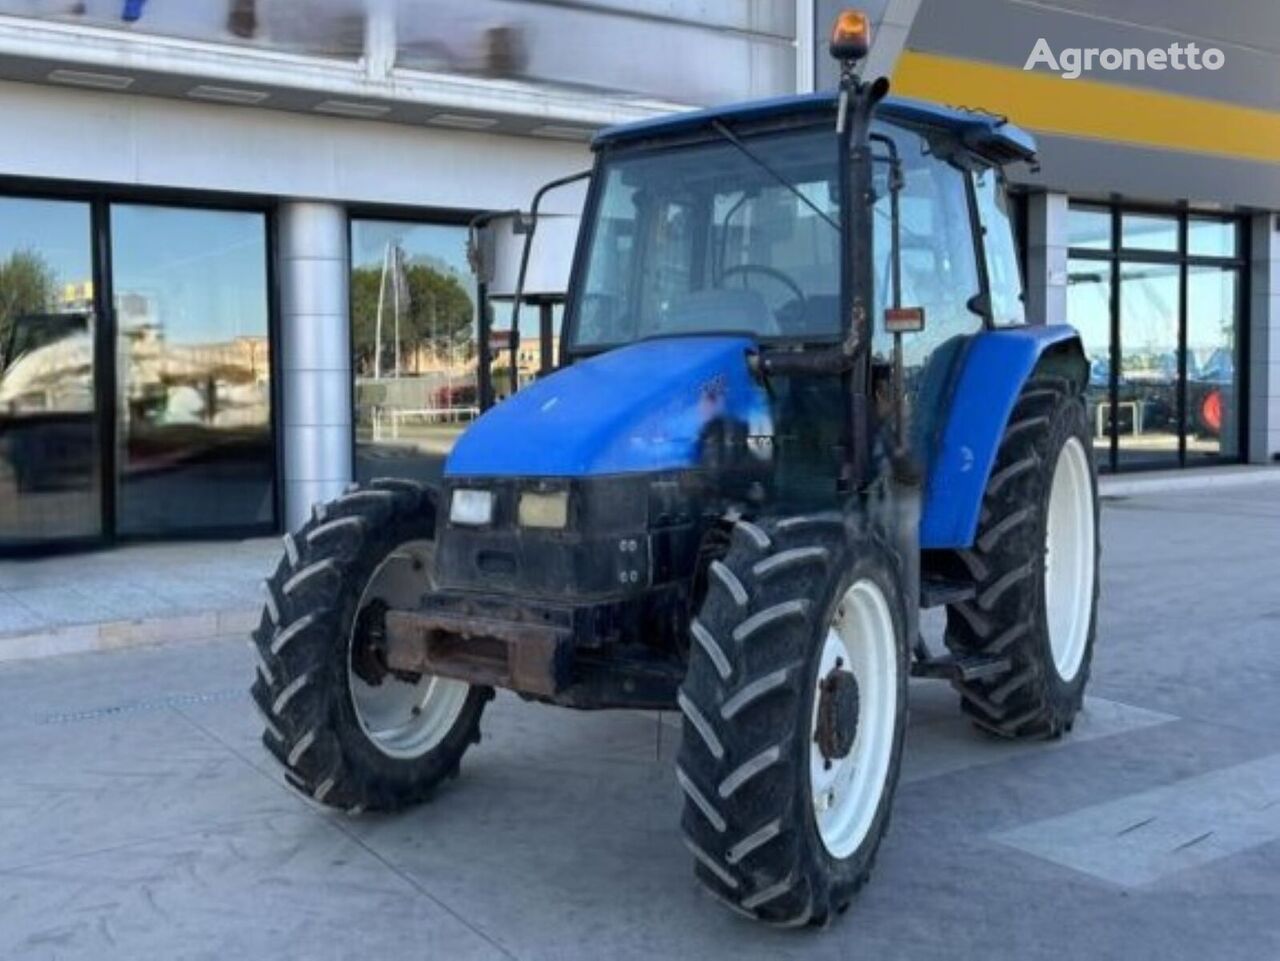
1089,108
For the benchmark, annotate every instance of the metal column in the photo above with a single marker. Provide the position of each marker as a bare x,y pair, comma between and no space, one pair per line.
315,361
1046,281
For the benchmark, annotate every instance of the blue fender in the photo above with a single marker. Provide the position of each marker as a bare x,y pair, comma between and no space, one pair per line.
993,372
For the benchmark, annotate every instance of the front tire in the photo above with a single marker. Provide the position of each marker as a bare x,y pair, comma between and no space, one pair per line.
1034,565
349,733
794,714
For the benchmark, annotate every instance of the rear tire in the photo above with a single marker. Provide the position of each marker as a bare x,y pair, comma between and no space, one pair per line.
1035,606
781,607
349,734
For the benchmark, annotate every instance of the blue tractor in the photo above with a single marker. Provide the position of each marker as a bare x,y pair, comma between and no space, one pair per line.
797,403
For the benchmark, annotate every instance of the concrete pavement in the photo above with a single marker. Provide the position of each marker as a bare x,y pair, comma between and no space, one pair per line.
140,594
139,817
131,595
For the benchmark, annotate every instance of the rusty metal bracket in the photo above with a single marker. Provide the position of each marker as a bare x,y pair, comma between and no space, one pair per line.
523,657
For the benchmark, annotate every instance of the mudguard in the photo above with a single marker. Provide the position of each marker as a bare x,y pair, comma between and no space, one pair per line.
993,372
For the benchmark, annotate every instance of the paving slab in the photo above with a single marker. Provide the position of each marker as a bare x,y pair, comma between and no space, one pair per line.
134,595
286,886
940,746
140,817
1141,838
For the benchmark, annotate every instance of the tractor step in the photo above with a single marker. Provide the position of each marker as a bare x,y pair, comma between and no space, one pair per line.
973,668
939,591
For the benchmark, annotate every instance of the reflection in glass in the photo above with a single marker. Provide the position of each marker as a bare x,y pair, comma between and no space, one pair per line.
1147,412
49,486
938,261
1211,237
195,450
695,53
733,249
1149,232
528,344
413,340
1003,277
1212,368
1089,227
1089,311
322,28
1157,410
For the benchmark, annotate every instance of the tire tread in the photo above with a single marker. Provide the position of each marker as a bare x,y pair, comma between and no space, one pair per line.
1005,566
300,677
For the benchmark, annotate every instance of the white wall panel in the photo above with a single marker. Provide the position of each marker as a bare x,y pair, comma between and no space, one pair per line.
149,141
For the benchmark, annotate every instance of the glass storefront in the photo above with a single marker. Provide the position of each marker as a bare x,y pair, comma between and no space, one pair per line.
49,433
1147,414
413,341
194,450
1156,298
1213,385
135,388
1089,310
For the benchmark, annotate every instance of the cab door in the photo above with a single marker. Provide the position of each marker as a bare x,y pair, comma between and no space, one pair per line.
940,274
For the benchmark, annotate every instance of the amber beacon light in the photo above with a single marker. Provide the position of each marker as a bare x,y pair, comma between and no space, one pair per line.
851,36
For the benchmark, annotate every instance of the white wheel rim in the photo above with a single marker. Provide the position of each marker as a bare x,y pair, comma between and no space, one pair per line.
1069,559
403,719
846,792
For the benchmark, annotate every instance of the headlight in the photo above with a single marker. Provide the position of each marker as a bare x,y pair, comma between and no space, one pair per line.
472,508
548,511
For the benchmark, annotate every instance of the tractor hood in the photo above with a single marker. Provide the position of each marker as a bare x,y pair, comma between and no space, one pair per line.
643,407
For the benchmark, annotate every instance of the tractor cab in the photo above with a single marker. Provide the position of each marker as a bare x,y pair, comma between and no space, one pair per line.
769,305
797,401
732,223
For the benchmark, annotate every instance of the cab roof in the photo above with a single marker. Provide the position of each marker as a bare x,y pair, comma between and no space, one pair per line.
988,135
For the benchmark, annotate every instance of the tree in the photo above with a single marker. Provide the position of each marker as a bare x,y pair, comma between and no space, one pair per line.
28,285
438,314
364,308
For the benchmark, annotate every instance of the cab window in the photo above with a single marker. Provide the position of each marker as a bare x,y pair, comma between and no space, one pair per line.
937,251
714,237
1003,275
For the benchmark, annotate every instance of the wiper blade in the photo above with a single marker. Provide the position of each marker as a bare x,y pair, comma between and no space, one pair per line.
719,127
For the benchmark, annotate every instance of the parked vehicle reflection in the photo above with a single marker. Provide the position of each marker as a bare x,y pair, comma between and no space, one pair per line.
49,479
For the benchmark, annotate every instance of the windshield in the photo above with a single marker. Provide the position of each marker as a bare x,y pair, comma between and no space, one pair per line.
715,237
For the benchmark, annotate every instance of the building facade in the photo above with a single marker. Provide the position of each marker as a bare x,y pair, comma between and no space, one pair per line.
233,233
1150,223
233,271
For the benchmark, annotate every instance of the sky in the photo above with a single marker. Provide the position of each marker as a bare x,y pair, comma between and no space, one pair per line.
203,271
57,230
446,243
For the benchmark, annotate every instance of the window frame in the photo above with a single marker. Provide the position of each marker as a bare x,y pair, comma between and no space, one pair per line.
100,198
979,303
569,349
1114,255
417,216
1000,185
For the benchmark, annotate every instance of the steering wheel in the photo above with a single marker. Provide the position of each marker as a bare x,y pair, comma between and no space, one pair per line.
772,272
